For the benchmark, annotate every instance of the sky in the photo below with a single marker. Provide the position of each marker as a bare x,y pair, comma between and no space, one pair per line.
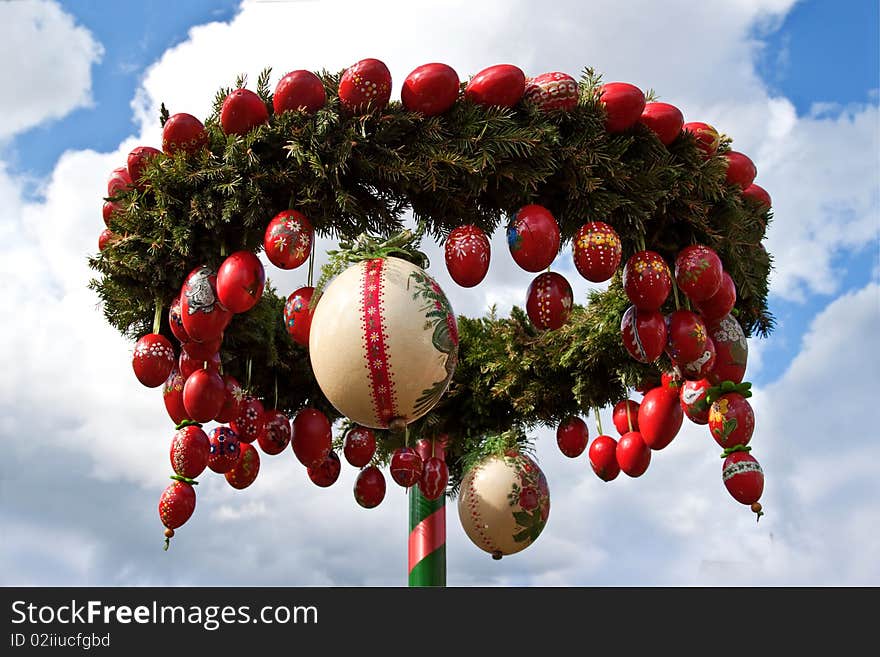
795,84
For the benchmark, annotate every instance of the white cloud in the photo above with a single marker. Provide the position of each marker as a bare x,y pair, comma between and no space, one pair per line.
98,431
46,61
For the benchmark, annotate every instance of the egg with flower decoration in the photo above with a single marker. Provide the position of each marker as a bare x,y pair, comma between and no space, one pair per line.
250,421
698,272
201,312
467,254
298,315
276,432
288,239
504,503
646,280
731,350
686,335
153,360
596,250
246,470
731,420
224,449
383,342
172,395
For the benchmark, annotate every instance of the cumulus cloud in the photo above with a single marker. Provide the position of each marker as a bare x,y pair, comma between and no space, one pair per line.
46,60
83,435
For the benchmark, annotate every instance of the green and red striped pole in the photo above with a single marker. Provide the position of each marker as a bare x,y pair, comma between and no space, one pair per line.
427,529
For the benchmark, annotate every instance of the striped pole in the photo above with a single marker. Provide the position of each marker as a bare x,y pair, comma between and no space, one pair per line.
427,530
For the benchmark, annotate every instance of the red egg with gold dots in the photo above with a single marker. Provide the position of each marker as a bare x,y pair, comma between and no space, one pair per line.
596,250
365,86
190,449
501,85
246,470
467,255
646,280
643,333
183,132
288,239
549,301
177,503
551,91
430,89
533,238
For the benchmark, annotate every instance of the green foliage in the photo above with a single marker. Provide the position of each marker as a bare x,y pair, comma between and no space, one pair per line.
359,174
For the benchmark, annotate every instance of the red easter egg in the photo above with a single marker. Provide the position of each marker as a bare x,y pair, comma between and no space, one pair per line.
183,132
467,254
177,504
731,350
175,321
246,470
108,210
549,301
326,472
596,250
758,195
672,380
190,449
312,438
743,477
201,312
693,400
435,477
299,90
202,352
405,466
288,239
242,111
551,91
720,303
643,333
369,487
632,454
224,449
365,87
533,238
172,395
699,368
250,422
231,401
603,458
572,437
501,85
741,170
427,447
105,238
660,417
620,418
203,395
298,315
623,103
664,120
276,432
698,272
686,335
153,360
119,181
359,446
137,162
240,281
731,420
187,364
430,89
646,280
706,136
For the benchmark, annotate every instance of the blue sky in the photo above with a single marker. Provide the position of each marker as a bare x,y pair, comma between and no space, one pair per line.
796,85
